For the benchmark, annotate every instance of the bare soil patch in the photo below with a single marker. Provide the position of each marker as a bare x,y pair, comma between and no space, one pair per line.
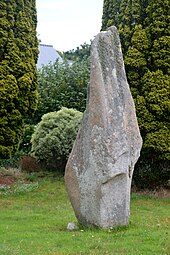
7,181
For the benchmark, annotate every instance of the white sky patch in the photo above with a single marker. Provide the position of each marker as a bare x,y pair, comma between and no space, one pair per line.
66,24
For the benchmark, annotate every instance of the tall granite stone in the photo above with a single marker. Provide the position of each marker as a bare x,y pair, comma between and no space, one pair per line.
100,167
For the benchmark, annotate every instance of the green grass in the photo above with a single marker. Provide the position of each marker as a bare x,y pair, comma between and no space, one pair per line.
34,221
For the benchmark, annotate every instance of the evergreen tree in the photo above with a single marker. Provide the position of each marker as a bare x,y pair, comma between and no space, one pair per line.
79,54
145,37
18,79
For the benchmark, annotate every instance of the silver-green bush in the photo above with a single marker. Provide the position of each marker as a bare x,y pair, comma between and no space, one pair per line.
54,136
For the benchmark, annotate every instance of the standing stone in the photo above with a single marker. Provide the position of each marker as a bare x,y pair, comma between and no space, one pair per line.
100,167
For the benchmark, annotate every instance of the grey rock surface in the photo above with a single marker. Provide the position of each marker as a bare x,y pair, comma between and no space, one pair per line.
100,167
72,226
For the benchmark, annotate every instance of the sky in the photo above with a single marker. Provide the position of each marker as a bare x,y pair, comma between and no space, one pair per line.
67,24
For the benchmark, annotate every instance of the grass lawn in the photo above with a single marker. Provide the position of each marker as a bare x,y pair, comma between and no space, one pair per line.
34,218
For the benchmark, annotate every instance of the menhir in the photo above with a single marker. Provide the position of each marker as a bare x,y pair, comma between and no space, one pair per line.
99,170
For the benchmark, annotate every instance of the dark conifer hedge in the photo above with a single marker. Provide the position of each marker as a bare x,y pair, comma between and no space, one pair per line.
144,28
18,78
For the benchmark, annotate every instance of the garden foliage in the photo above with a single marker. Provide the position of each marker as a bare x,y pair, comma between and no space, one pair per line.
54,136
79,54
62,85
18,79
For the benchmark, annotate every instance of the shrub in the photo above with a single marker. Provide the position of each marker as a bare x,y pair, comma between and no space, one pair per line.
30,164
151,174
54,136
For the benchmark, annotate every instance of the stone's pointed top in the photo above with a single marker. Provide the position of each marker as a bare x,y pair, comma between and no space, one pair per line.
112,29
100,167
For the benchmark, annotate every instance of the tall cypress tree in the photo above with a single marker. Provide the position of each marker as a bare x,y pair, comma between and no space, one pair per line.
18,79
145,37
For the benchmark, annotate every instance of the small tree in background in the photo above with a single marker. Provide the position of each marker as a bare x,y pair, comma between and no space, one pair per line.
18,79
54,136
62,85
80,53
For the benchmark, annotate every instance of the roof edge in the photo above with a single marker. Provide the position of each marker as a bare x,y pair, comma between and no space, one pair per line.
47,45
